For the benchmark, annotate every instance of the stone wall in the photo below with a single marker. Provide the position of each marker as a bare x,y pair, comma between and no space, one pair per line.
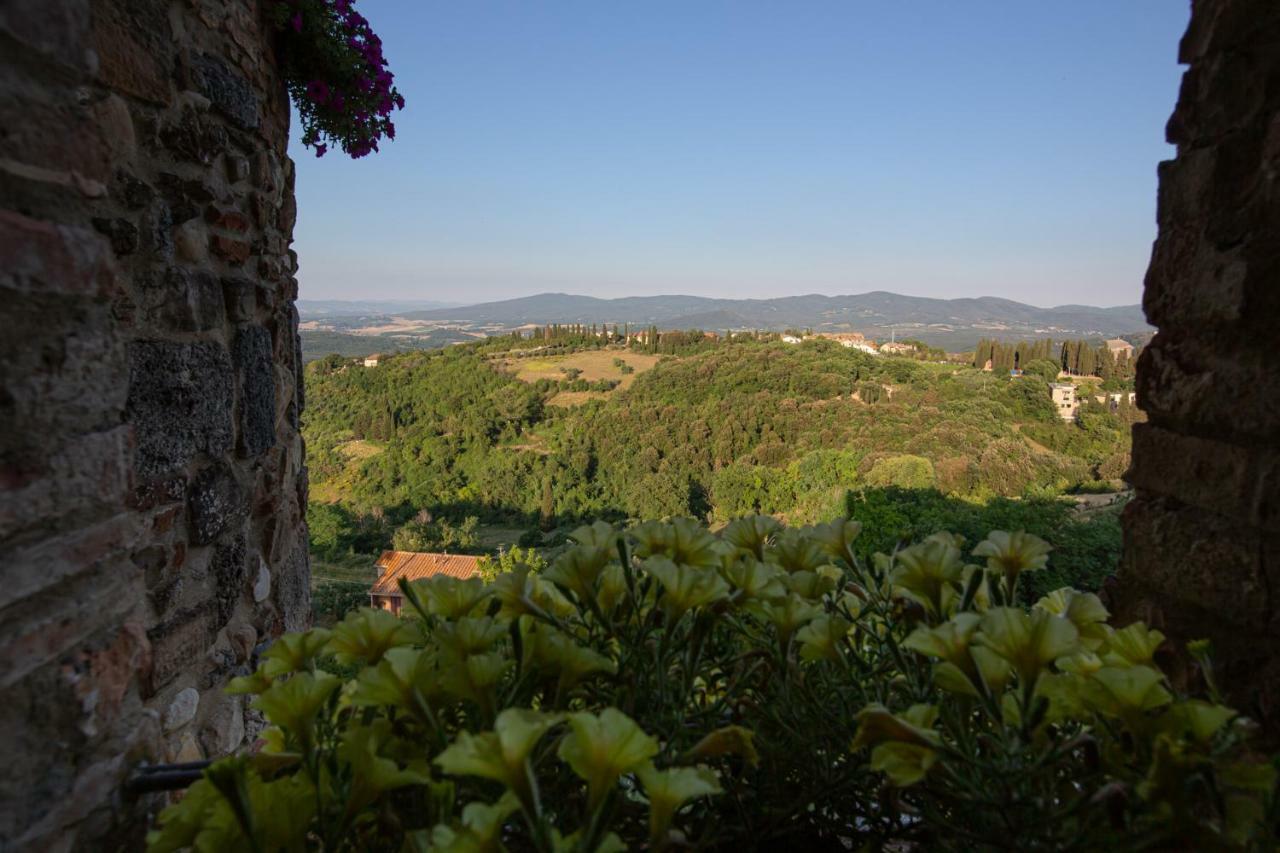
1202,538
151,470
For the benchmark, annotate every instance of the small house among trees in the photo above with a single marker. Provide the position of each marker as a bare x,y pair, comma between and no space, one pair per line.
1064,399
392,566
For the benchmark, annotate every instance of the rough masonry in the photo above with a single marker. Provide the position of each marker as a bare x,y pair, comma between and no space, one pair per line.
1202,538
151,470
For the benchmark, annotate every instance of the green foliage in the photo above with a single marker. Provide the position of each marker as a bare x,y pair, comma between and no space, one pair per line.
906,472
665,688
333,600
513,559
732,427
1086,550
425,534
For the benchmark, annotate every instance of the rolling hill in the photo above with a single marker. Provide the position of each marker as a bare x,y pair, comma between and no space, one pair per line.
875,313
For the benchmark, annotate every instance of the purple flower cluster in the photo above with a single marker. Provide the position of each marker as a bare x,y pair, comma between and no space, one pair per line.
338,75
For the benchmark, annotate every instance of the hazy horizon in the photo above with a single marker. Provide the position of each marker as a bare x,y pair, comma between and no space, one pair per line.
673,294
746,151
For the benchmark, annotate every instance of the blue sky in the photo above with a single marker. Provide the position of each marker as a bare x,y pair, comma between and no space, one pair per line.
754,149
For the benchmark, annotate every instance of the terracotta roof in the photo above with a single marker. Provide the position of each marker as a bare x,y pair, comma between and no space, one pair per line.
413,566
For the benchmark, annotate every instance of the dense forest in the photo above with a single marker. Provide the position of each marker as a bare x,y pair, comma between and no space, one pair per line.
718,429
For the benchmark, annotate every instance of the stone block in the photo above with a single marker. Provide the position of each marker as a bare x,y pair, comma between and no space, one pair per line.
233,251
1211,387
241,297
251,353
179,403
135,48
41,257
181,300
230,93
215,503
1217,477
1206,568
229,574
179,642
122,233
182,709
63,485
292,589
188,197
60,31
222,730
191,242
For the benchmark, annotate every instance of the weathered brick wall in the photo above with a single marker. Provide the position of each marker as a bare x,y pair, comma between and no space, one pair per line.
1202,549
151,469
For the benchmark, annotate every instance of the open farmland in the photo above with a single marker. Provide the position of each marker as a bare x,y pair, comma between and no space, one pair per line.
593,364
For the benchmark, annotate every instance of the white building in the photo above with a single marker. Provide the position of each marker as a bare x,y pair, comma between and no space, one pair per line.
1065,400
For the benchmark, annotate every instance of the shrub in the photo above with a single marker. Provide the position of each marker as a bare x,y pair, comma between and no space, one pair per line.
667,688
907,472
335,599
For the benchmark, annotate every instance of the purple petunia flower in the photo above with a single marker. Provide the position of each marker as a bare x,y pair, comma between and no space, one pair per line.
391,130
321,149
296,22
337,102
318,91
399,99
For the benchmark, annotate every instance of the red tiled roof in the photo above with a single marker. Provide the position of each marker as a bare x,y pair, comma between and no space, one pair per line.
413,566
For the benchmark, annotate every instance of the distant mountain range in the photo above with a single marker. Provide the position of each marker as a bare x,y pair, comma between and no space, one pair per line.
943,322
312,309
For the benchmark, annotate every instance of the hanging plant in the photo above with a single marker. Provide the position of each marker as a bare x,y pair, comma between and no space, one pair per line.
336,75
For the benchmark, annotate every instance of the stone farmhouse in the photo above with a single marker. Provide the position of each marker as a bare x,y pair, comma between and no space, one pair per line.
1119,346
394,566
